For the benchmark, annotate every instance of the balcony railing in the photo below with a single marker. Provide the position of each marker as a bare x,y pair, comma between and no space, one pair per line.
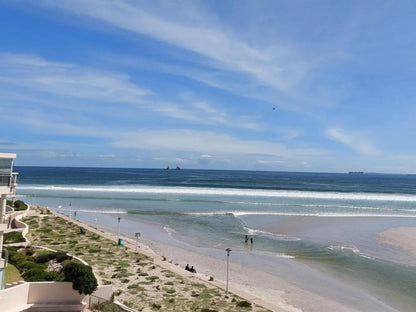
9,180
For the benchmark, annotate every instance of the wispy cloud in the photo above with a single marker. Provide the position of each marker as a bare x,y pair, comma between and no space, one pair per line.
68,80
354,140
279,66
206,142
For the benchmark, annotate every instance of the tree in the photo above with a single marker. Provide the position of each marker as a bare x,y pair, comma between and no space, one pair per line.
81,276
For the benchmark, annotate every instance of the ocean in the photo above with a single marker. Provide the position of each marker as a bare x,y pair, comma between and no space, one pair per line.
323,225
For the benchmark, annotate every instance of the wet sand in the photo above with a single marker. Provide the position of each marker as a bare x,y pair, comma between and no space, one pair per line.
403,238
292,287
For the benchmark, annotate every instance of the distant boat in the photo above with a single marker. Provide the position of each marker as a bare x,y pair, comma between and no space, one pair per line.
178,168
356,172
167,168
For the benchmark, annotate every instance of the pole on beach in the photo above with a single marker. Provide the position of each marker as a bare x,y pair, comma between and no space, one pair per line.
118,230
137,239
228,260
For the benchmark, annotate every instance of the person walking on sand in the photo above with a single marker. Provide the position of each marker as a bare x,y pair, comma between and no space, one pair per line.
251,240
246,239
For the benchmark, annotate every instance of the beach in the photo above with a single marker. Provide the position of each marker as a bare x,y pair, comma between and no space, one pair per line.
160,270
263,289
403,238
302,292
316,237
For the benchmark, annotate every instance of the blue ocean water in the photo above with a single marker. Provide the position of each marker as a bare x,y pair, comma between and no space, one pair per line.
328,221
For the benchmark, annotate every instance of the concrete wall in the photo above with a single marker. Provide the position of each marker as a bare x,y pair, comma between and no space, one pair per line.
14,298
53,292
28,295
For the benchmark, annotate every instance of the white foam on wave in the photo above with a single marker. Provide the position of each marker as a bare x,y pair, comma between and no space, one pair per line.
227,192
94,211
353,250
251,231
304,214
169,230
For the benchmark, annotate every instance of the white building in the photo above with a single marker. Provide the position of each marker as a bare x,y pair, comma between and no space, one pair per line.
8,182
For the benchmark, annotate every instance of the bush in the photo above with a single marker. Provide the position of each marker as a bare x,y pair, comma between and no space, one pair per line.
44,257
28,265
53,276
243,304
13,237
61,256
35,275
16,258
19,205
81,276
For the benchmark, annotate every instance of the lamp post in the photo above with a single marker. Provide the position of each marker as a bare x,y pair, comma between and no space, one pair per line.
228,260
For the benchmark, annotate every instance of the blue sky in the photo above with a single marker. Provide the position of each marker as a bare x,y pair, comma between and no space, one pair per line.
265,85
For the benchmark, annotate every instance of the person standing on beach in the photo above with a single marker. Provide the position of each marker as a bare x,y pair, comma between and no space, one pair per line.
251,240
246,239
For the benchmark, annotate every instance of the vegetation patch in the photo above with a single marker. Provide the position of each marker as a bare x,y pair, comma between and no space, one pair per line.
13,237
18,205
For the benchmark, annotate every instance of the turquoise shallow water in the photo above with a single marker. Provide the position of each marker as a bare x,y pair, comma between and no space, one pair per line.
325,221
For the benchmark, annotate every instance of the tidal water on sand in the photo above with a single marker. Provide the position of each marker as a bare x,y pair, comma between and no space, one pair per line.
325,223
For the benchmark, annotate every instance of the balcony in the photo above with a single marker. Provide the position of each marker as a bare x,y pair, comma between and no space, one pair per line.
8,183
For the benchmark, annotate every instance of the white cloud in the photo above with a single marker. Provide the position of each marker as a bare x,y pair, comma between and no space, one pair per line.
206,142
354,140
278,67
68,80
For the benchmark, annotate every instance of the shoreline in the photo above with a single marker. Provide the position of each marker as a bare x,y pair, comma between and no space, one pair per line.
275,292
167,263
259,287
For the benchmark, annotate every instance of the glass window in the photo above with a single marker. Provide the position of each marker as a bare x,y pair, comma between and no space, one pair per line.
6,166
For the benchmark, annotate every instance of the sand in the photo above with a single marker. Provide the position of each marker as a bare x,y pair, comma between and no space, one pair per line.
402,237
261,288
147,281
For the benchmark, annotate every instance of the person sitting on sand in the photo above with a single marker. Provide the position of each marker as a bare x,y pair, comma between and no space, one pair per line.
192,269
187,267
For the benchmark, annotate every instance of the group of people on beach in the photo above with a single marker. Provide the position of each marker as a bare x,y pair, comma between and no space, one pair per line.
246,240
190,269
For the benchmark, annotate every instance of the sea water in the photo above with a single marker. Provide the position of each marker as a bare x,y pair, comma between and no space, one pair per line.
324,221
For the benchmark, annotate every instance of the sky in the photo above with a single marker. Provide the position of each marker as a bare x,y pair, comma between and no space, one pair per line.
315,86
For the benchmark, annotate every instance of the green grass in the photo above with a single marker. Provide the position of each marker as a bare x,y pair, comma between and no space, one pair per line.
12,274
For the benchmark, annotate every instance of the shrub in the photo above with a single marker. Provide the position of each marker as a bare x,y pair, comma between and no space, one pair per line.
16,258
34,275
13,237
243,304
156,306
28,265
81,276
44,257
61,256
19,205
52,276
